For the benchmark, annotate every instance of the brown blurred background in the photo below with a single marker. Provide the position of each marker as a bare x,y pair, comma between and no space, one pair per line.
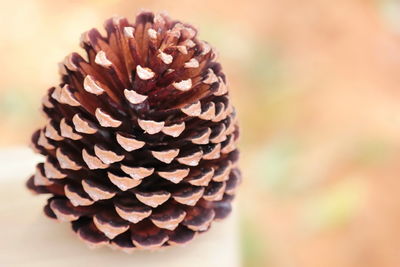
316,83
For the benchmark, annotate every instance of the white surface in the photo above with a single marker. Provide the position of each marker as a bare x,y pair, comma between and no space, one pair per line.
28,238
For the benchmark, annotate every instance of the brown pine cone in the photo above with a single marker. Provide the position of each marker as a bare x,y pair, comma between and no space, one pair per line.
140,142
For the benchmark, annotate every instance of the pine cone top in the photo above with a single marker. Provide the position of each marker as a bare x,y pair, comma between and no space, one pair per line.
140,142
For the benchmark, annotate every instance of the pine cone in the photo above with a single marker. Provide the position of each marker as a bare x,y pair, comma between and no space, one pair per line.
140,141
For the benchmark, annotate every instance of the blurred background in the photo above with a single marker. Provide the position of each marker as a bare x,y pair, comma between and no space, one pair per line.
316,83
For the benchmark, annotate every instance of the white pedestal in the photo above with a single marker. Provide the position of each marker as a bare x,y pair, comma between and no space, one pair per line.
28,238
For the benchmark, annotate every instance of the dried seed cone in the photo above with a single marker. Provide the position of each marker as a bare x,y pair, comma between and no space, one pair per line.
140,141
